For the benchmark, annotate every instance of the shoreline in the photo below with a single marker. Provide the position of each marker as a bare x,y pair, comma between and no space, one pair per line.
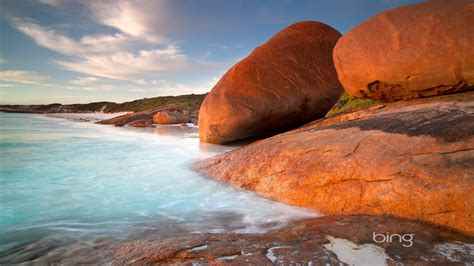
85,117
79,116
330,239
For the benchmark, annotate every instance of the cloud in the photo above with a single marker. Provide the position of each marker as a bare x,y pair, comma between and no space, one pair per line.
179,89
84,80
93,88
127,65
55,3
5,85
87,45
141,82
136,18
90,89
138,90
26,77
110,56
3,61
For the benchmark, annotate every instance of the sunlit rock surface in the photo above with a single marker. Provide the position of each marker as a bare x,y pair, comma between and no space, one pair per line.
410,159
414,51
286,82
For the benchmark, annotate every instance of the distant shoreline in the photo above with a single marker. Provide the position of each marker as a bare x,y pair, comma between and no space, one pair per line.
78,117
190,100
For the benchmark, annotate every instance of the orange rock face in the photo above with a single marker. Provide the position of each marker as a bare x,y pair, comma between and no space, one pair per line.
409,159
165,114
414,51
286,82
167,117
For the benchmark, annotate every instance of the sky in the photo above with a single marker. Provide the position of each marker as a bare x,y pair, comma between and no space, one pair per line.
66,51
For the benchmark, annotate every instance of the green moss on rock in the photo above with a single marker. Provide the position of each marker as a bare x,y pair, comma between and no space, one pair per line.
347,103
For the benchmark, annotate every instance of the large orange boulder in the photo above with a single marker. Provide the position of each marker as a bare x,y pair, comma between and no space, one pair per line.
286,82
409,159
414,51
168,117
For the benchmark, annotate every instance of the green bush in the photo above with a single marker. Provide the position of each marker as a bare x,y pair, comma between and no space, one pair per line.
348,103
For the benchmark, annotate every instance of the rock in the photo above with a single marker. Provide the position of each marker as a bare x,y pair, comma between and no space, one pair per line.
141,123
167,117
145,118
315,241
414,51
410,159
286,82
123,120
318,241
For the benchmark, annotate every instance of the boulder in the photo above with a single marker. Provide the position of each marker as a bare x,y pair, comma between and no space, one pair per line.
145,118
410,159
123,120
168,117
286,82
141,123
414,51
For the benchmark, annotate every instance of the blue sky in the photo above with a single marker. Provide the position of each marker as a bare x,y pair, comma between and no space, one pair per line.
83,51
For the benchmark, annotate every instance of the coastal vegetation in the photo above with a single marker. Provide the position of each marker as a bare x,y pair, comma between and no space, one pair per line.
347,103
192,101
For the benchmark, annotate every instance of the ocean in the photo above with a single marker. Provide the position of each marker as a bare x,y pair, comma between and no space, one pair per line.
67,185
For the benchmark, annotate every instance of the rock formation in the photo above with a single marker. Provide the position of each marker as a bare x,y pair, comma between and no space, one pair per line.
286,82
414,51
305,242
166,114
410,159
168,117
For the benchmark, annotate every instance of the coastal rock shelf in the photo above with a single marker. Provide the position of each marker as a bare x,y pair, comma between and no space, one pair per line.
326,240
409,159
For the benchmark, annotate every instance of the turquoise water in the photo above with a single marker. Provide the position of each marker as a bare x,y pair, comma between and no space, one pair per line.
78,181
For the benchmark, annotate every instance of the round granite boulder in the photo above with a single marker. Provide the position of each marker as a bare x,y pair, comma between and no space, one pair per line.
286,82
169,117
414,51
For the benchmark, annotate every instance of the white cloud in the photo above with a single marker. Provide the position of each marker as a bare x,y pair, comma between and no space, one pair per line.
126,65
3,85
141,82
109,55
137,18
26,77
3,61
136,90
55,3
87,45
90,89
84,80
